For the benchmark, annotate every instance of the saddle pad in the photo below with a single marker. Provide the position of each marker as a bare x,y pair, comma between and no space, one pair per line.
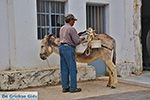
95,44
80,49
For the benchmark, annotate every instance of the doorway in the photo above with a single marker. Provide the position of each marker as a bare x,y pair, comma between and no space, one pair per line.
145,36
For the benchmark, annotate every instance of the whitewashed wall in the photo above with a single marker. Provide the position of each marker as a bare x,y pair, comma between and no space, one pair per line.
121,28
27,45
18,36
4,35
19,47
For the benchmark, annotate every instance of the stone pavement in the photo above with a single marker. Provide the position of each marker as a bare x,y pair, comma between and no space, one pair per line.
141,80
92,90
136,95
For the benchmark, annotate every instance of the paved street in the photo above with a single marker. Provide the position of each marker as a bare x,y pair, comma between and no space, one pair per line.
94,90
134,95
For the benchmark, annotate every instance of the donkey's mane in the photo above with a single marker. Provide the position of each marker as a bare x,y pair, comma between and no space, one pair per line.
52,42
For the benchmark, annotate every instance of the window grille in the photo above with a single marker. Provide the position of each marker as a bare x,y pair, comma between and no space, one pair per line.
50,17
95,17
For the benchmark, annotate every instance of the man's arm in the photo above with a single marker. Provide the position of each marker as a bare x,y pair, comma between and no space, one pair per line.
80,33
74,36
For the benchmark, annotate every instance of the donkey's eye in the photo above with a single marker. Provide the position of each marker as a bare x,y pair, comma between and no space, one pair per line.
42,46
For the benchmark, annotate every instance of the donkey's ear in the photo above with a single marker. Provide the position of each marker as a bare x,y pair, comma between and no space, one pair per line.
49,35
45,36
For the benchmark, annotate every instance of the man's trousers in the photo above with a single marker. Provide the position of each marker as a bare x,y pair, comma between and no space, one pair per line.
68,67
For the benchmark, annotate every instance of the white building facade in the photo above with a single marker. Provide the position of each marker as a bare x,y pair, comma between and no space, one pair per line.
20,30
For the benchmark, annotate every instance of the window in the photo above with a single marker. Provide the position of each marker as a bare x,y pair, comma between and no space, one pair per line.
50,17
95,17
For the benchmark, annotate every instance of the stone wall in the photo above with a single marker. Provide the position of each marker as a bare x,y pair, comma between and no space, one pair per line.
11,80
137,37
125,69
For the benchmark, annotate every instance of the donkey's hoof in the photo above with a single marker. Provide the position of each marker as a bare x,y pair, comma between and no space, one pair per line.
113,87
108,85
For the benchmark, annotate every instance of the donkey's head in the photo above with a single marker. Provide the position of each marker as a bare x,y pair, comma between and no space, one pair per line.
46,49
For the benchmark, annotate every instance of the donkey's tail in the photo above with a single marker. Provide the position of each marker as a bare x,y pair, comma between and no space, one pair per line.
113,55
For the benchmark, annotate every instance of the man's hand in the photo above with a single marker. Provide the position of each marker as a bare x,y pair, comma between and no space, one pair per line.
82,38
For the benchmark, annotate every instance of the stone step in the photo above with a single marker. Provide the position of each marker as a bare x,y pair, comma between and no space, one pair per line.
13,80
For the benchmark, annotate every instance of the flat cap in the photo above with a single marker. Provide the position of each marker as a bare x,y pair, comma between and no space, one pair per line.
69,17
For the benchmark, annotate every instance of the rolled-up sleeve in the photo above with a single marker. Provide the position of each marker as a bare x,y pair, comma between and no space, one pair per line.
74,36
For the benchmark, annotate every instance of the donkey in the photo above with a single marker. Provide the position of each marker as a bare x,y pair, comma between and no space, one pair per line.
106,53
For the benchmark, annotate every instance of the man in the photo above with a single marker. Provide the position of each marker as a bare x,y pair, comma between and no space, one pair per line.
69,39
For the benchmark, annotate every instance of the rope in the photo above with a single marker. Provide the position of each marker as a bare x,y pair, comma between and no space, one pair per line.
91,35
52,70
88,51
48,63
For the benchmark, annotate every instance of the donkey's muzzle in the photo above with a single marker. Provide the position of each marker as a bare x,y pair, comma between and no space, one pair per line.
43,57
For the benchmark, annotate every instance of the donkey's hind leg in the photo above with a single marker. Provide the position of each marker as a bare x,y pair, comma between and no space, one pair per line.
109,80
112,74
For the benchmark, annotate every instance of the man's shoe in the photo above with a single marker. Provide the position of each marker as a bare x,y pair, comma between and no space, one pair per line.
65,90
76,90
